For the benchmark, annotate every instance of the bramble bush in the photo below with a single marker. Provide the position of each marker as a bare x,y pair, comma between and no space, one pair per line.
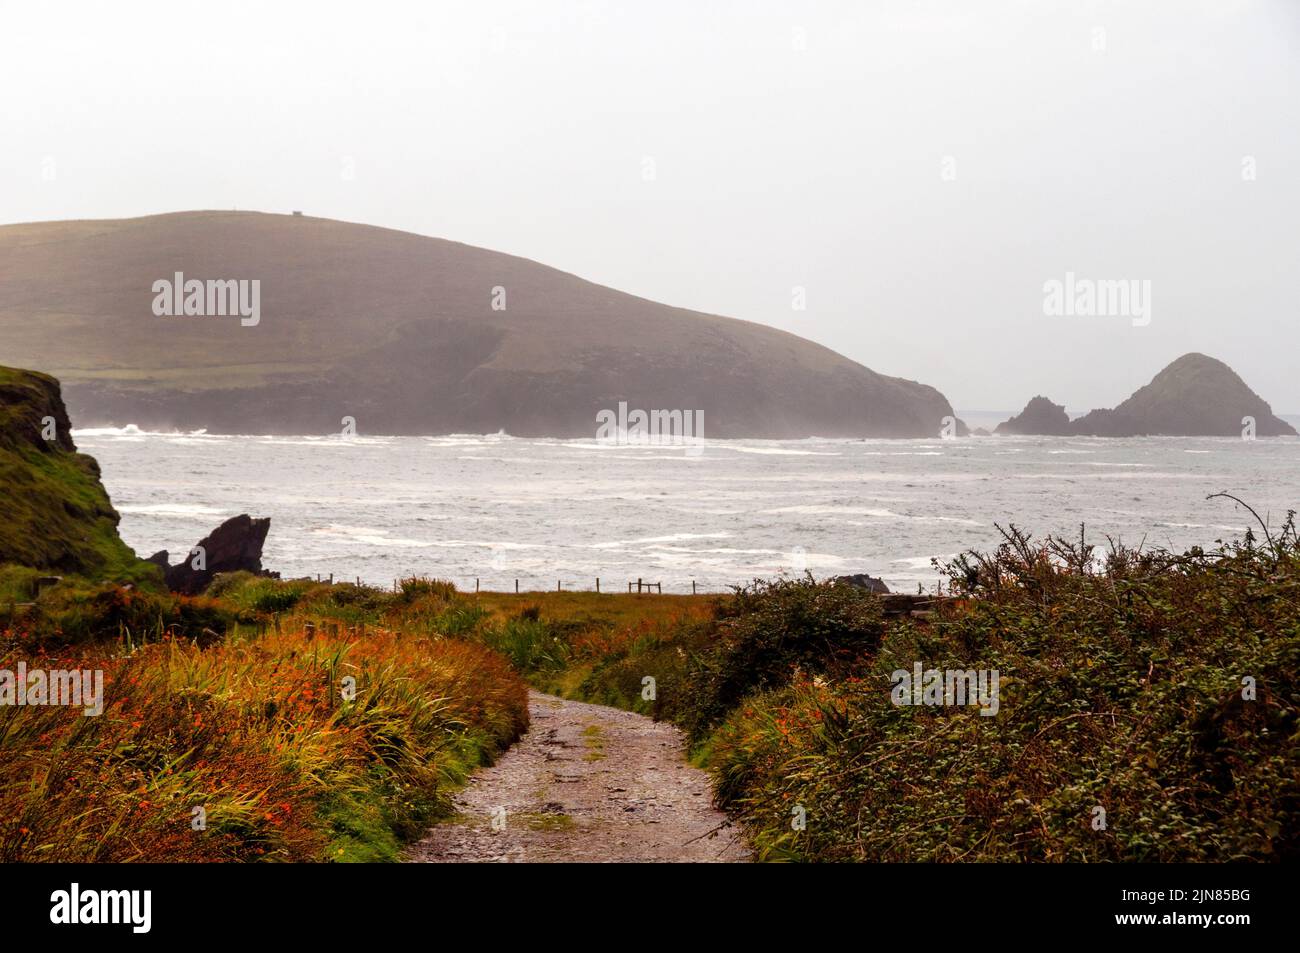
1121,692
1148,708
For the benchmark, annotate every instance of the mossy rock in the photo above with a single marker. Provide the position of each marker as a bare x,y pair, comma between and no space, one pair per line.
56,514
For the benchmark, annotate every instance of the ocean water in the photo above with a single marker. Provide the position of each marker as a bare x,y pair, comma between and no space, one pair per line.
500,508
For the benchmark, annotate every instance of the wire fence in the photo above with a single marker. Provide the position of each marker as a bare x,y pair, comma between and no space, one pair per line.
605,585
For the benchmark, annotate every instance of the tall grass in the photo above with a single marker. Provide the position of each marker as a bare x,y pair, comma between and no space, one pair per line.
336,747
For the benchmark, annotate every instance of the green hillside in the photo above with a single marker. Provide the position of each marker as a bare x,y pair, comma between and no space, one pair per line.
55,514
408,334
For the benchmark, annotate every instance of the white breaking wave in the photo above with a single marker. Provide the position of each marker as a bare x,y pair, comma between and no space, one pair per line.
673,538
170,509
780,451
131,430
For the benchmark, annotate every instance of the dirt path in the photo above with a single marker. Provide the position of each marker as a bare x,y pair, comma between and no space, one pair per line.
586,783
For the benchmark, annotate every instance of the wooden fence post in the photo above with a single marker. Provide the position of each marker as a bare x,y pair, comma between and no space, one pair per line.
598,584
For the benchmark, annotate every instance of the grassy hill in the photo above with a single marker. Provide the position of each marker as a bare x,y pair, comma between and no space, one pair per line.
56,515
399,331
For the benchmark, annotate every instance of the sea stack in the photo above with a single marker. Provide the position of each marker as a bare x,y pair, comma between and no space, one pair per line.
1040,416
1195,396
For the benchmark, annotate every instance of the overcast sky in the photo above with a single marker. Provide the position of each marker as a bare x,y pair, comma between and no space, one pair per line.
921,169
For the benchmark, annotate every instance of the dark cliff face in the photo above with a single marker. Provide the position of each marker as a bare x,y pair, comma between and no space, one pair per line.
56,514
1195,396
405,333
29,404
1040,416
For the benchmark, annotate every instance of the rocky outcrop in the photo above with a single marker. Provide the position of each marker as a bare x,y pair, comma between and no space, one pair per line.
54,511
863,581
1195,396
233,546
32,414
1040,416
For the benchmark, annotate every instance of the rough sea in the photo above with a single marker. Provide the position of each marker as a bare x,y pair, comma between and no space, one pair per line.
498,508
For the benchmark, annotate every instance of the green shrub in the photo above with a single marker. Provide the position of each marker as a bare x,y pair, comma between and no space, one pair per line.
260,594
75,612
1121,692
768,632
530,645
419,587
460,618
